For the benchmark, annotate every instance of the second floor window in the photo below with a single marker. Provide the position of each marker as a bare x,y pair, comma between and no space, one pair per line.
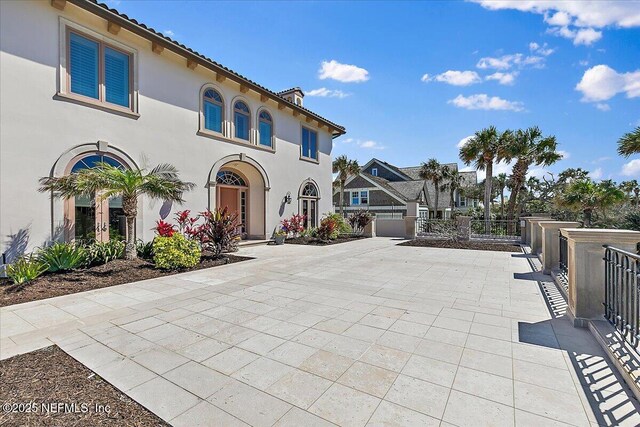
355,197
99,71
374,171
364,197
265,129
309,144
212,110
241,119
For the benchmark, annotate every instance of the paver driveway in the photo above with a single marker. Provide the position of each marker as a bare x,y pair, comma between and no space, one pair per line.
363,333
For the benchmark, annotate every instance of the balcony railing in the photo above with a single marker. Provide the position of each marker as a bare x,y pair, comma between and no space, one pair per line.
495,229
621,296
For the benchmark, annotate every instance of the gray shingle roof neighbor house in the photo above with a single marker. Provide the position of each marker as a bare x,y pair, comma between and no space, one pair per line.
384,186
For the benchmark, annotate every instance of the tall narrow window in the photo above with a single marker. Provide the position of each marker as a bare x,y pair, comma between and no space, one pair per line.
364,197
309,144
241,120
355,197
374,171
266,129
212,110
99,71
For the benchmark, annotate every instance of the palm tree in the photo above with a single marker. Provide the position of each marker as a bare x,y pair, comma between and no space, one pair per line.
484,149
629,187
528,148
587,196
454,181
629,143
501,184
344,168
162,182
433,171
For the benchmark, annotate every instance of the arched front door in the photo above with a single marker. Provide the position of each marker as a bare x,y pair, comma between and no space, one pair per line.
309,204
232,192
91,217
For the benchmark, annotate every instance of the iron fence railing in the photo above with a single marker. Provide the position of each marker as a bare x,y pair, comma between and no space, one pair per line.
436,227
563,245
622,296
495,229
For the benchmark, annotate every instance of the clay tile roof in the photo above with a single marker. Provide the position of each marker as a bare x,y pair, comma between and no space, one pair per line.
142,30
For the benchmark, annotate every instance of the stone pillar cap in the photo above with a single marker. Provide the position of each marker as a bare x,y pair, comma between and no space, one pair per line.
552,222
600,235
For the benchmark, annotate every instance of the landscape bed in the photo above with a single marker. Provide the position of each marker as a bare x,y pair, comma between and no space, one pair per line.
318,242
54,389
113,273
470,244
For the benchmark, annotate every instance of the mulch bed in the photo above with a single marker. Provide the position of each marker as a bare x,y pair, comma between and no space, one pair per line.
317,242
47,387
473,245
112,273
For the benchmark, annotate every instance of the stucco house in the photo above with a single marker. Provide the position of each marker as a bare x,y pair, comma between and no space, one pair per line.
82,83
385,189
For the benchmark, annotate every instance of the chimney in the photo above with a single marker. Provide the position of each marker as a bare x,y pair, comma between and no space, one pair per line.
294,95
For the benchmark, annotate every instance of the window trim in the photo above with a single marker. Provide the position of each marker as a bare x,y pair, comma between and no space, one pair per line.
302,156
202,130
367,197
64,83
351,199
374,171
233,120
272,147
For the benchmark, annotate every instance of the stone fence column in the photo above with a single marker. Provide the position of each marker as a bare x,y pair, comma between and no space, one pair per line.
586,269
410,220
370,229
526,230
464,225
551,242
536,234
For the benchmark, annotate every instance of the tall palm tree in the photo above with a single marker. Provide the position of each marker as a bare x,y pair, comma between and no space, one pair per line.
629,187
344,168
484,149
453,181
629,143
588,196
161,182
528,148
501,184
433,171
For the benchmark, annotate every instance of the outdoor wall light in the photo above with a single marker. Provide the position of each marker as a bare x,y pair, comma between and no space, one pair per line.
287,198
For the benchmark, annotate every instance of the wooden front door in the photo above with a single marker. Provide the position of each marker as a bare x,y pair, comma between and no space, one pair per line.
228,197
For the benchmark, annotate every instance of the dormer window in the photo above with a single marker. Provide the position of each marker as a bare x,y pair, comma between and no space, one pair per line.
374,171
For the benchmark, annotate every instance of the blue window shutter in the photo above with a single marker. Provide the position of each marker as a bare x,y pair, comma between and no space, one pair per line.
313,146
305,142
242,128
83,66
265,134
116,77
212,117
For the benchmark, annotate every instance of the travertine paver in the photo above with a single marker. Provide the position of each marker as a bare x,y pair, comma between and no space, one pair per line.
363,333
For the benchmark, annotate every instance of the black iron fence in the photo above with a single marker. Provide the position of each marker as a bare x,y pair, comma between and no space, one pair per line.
622,296
444,228
495,229
564,254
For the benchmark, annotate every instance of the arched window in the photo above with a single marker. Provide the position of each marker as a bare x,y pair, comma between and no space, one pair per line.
92,160
309,190
212,107
241,119
266,129
230,178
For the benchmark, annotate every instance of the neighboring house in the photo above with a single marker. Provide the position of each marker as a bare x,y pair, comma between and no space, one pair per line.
385,190
82,83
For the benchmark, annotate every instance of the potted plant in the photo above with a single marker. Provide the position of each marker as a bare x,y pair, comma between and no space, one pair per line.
279,237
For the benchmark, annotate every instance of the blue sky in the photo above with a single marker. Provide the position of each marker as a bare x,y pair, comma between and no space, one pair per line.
571,68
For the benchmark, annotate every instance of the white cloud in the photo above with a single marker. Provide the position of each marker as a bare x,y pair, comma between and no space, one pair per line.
503,78
498,168
463,141
565,154
506,62
537,173
541,50
369,144
583,62
455,78
602,82
601,159
631,168
485,102
342,72
583,16
168,33
596,174
327,93
603,107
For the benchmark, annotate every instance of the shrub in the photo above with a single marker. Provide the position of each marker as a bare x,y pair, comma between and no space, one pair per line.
145,250
175,252
294,225
104,252
220,231
26,269
342,227
64,256
359,220
328,229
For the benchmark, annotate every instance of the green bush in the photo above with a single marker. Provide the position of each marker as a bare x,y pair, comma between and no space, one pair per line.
328,229
63,256
175,252
26,269
145,250
342,226
103,252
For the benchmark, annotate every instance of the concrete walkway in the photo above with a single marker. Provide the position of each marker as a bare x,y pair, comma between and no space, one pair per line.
362,333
